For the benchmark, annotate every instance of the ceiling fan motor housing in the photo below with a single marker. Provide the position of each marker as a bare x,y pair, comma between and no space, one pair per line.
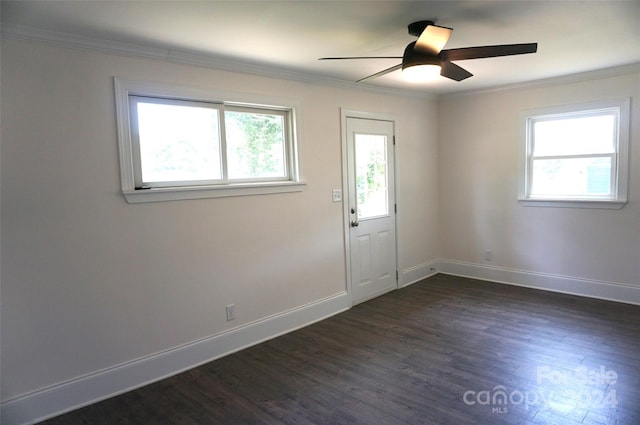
414,57
416,28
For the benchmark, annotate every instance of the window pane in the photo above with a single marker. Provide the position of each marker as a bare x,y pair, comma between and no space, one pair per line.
178,142
572,177
371,175
255,145
575,136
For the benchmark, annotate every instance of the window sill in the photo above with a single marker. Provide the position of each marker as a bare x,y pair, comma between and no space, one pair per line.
203,192
573,203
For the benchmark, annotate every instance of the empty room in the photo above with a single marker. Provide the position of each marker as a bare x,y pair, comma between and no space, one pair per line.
320,212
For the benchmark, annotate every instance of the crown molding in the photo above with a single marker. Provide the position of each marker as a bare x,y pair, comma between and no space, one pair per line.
21,32
186,57
627,69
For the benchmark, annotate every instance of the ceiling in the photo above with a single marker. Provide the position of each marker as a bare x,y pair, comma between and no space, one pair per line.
289,36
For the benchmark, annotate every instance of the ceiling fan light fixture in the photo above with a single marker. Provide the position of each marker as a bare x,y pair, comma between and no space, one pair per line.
418,66
421,73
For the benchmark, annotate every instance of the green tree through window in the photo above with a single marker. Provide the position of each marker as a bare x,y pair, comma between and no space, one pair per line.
255,144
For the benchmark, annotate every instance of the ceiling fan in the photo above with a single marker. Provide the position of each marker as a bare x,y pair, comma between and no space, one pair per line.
425,59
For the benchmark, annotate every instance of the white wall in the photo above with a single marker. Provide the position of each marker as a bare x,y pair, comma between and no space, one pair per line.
479,141
90,282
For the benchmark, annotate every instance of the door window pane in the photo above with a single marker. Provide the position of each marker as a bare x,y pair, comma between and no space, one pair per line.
372,191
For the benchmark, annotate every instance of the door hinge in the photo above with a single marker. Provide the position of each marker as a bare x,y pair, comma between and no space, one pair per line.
395,208
394,140
397,276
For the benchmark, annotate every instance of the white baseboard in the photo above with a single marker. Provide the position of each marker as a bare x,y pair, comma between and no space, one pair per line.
85,390
417,273
624,293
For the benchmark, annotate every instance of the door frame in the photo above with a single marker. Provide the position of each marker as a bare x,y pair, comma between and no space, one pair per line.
346,217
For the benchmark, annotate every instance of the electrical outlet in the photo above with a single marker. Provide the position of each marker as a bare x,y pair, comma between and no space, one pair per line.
337,195
488,255
231,312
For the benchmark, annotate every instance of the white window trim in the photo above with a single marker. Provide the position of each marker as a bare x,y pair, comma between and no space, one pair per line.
622,173
125,88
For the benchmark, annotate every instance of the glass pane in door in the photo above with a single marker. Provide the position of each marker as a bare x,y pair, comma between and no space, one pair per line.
372,187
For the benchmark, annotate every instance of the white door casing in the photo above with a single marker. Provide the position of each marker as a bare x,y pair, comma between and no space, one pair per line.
370,203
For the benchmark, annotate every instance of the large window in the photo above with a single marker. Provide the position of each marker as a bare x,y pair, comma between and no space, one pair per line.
179,143
576,156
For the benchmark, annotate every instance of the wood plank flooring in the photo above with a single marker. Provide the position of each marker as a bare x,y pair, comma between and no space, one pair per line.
447,350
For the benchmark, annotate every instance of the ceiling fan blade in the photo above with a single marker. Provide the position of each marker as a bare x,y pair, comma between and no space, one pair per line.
488,51
453,71
360,57
381,73
433,39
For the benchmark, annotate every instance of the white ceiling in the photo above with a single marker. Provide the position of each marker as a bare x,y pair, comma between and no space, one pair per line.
572,36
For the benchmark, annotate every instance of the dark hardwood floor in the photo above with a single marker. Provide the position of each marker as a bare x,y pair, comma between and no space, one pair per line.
446,350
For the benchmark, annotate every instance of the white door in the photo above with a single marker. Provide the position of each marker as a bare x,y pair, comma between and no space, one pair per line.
371,207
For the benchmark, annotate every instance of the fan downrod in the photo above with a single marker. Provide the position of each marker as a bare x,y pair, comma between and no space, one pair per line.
416,28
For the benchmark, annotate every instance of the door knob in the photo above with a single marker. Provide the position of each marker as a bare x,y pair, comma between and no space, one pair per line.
354,223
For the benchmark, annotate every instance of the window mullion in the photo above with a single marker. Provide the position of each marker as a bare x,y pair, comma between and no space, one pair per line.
223,144
589,155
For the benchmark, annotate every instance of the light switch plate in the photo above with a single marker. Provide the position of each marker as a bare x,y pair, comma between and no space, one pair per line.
337,195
